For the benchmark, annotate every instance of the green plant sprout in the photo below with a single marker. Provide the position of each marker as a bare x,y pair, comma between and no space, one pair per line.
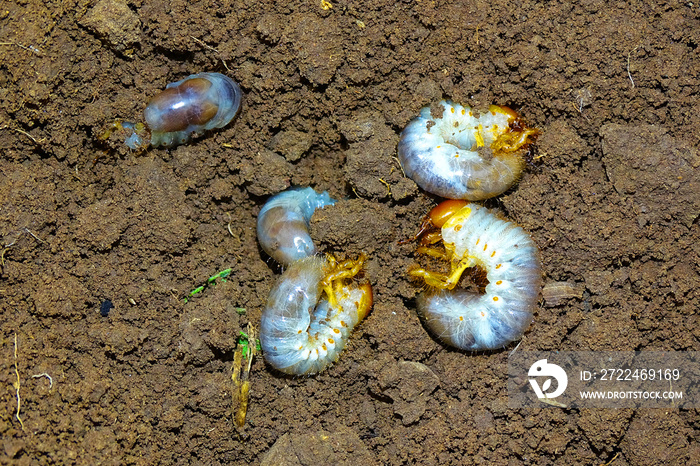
246,349
244,345
211,280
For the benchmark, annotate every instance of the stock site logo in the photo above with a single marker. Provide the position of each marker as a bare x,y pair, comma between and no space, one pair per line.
543,369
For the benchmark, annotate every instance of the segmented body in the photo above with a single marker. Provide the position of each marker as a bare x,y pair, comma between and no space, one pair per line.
461,156
185,108
283,223
310,314
474,237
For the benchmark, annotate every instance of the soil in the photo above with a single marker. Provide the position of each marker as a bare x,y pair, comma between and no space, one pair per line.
611,198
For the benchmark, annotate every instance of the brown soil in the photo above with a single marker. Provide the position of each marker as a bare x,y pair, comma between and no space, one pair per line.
612,201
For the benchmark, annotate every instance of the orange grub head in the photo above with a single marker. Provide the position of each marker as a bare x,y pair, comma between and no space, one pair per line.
443,211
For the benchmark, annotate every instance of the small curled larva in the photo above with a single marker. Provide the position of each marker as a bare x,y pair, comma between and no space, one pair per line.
283,223
311,312
188,107
460,156
555,293
474,237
